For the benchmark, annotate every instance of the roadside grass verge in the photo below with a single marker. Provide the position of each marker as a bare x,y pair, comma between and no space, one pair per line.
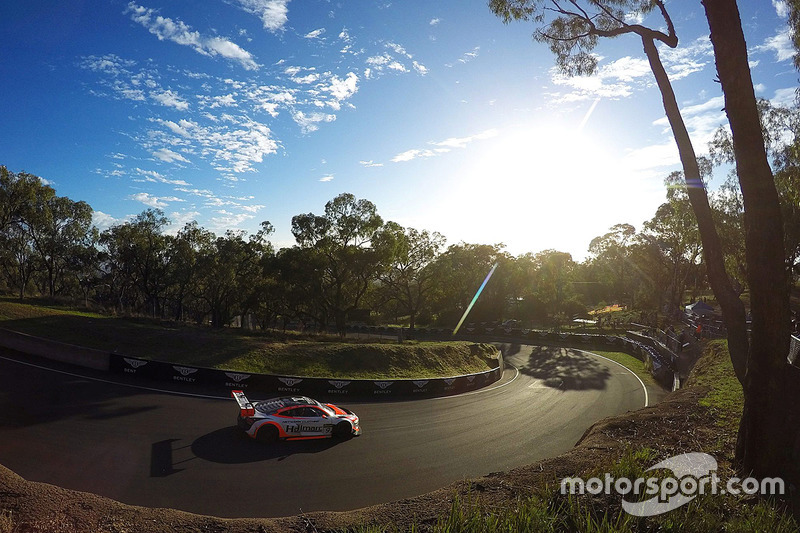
257,352
632,364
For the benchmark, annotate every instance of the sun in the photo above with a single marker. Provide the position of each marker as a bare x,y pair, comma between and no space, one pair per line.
530,186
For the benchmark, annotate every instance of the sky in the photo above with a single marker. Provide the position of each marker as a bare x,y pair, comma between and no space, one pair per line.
234,112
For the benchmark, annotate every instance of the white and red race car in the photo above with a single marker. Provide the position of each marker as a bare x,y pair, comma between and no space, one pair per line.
294,418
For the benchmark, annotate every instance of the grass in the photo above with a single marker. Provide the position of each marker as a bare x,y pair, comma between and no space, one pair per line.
631,363
546,509
234,349
726,399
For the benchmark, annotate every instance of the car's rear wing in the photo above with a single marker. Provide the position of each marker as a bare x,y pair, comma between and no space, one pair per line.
246,407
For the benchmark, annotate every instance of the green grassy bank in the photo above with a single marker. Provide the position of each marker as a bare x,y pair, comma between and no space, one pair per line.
235,349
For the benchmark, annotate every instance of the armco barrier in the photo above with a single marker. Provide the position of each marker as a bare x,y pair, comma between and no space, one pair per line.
264,384
58,351
663,370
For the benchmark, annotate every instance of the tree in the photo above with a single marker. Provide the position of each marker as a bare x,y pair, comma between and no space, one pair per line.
771,419
408,278
759,360
611,254
230,272
18,192
59,228
673,230
343,237
135,261
460,270
572,33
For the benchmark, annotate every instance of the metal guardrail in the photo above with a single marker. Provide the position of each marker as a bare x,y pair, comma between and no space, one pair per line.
794,351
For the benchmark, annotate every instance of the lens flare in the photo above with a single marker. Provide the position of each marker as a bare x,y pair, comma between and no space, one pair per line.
474,299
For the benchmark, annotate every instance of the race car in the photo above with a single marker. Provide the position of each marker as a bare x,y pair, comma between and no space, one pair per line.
294,418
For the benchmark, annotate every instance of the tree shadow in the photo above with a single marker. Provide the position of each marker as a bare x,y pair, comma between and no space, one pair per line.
38,391
510,349
231,446
565,369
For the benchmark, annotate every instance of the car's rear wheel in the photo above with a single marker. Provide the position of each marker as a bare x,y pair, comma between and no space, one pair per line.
343,430
267,433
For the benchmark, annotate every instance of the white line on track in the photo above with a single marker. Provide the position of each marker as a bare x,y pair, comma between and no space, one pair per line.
140,387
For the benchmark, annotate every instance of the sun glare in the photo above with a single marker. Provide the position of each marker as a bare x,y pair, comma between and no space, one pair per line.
536,187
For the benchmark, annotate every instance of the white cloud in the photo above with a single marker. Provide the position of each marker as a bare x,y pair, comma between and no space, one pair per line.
326,178
624,76
342,89
234,144
780,44
370,164
104,221
466,57
316,34
178,32
156,177
434,21
396,61
443,147
785,97
462,142
154,201
274,14
409,155
226,220
781,8
168,156
687,59
309,122
170,99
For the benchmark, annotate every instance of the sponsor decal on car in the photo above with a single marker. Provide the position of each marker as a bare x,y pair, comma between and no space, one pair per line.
300,428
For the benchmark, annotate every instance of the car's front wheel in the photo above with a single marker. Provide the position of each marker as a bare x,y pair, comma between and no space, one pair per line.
343,430
267,433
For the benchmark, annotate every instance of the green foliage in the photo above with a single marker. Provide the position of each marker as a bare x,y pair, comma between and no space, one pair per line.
715,370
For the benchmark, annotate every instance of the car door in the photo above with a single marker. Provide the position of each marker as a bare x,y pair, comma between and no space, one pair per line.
323,419
302,422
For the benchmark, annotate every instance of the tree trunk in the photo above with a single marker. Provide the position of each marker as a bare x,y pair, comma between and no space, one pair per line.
733,313
769,428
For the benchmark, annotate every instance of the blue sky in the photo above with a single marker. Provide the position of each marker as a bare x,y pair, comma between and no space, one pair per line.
231,112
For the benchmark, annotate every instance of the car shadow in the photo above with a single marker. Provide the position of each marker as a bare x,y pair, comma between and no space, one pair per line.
231,446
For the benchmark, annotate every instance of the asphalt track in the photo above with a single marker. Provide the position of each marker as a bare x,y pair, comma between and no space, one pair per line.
72,428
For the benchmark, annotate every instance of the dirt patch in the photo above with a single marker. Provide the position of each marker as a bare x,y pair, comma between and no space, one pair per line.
677,424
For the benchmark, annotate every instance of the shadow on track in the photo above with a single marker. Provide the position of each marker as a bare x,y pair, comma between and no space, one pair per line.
564,369
230,446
